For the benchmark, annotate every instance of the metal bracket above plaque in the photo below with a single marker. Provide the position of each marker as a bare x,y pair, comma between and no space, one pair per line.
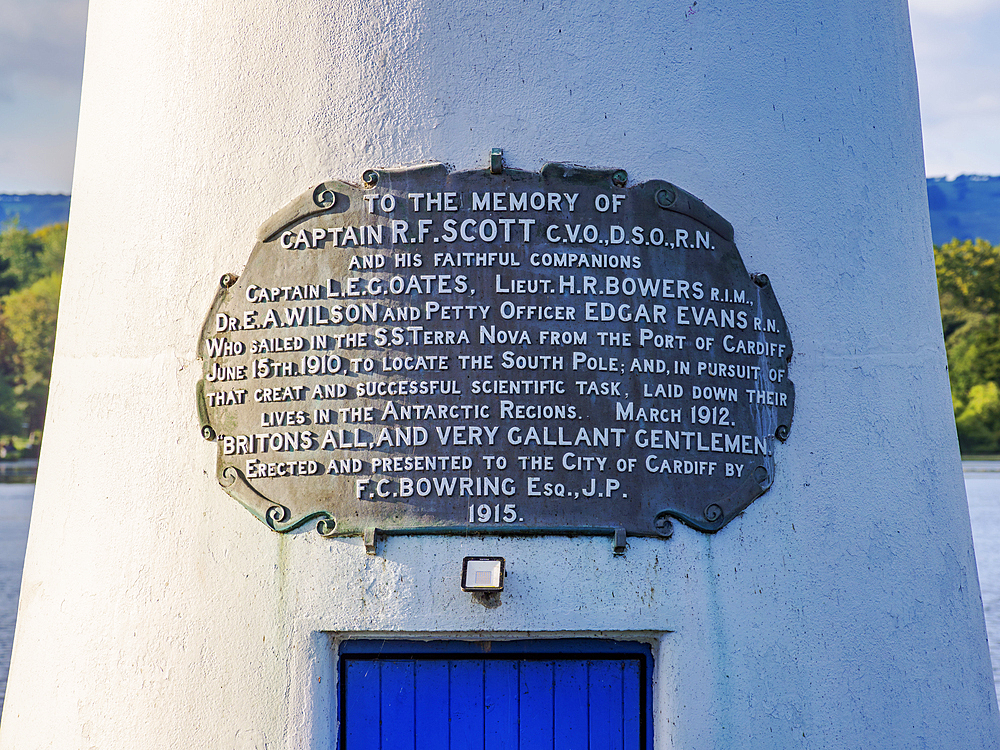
496,351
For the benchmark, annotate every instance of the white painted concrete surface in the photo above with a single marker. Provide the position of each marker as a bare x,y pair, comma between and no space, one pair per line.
841,610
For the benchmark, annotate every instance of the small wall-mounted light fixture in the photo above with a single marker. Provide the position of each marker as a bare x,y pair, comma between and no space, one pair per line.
482,574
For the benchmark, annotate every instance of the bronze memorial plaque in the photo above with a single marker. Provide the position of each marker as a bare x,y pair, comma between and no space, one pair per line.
496,351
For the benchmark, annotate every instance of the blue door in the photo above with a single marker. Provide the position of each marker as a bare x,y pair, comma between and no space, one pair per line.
523,695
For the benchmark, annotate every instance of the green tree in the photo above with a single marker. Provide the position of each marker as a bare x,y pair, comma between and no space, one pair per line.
968,275
26,257
30,315
53,253
30,274
978,419
11,414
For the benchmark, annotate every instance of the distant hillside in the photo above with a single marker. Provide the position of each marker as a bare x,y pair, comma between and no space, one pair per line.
35,211
967,207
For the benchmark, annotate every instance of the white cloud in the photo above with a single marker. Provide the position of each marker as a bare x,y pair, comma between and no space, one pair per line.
958,69
41,66
41,44
953,8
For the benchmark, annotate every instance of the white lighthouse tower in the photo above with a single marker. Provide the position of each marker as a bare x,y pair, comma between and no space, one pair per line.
252,590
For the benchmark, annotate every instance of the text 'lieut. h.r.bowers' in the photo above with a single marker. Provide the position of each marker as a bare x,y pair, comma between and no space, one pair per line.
507,353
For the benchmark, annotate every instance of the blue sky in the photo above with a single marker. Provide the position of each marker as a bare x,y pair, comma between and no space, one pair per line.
958,69
41,64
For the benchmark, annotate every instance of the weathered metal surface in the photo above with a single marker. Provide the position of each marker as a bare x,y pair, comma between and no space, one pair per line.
496,351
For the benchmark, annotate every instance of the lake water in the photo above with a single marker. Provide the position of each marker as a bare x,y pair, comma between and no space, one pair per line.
982,485
15,513
982,482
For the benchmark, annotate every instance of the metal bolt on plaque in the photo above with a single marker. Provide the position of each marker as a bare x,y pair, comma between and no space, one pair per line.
496,351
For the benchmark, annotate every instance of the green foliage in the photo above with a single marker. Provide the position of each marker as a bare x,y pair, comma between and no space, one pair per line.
28,256
53,239
30,278
31,319
968,276
978,419
10,413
